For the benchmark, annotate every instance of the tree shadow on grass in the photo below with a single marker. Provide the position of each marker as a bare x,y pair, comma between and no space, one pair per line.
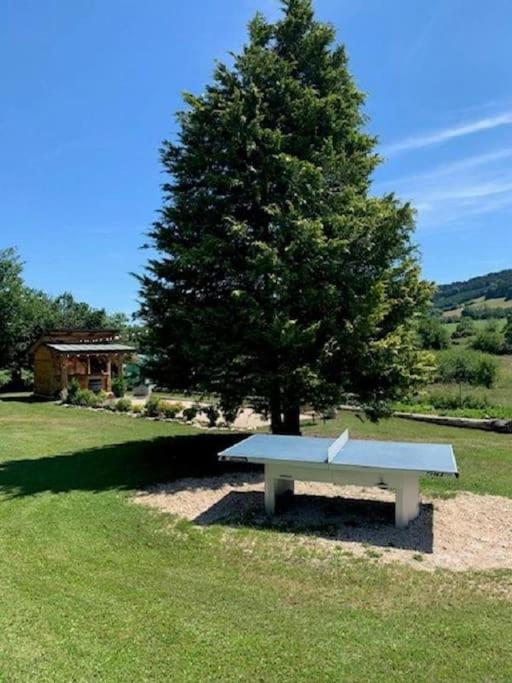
335,518
140,464
25,397
124,466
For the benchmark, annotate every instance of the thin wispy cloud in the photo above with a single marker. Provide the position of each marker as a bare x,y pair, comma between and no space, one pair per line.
445,169
440,136
460,199
453,192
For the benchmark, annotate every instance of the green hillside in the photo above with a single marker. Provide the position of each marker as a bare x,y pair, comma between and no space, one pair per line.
493,290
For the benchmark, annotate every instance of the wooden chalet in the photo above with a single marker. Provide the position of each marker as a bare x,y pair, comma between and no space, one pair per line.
92,357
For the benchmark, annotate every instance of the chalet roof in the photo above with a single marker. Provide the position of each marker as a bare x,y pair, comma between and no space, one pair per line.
90,348
80,330
76,336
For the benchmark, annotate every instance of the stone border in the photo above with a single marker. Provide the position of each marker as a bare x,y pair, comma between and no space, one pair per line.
486,424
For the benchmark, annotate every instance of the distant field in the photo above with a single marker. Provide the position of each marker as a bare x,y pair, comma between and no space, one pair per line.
479,324
480,302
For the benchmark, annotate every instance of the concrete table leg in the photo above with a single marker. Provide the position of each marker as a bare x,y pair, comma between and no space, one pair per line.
407,501
275,488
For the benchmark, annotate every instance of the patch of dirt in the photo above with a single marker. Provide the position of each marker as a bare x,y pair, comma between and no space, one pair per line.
465,533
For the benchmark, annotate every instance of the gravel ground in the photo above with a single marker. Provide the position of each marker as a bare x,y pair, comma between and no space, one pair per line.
464,533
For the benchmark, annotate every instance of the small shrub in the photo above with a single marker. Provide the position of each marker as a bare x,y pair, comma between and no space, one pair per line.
124,405
212,413
86,398
190,413
73,390
170,410
137,408
4,378
329,413
152,408
118,387
102,396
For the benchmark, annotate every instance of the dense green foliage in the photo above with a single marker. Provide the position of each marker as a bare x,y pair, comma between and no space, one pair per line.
465,328
491,286
25,313
119,387
450,400
507,333
467,367
489,341
433,334
279,279
484,312
95,588
124,405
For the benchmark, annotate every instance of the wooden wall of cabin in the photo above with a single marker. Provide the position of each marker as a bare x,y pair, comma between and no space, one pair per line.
46,372
49,379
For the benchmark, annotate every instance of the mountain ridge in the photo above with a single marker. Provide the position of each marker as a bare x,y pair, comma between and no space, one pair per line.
492,286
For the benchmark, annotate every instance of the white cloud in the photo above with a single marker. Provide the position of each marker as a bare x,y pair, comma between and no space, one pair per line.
437,137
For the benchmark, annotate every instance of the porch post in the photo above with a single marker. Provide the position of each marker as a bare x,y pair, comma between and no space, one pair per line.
120,370
63,373
109,374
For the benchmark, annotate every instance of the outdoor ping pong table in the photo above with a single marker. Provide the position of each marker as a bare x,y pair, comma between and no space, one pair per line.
386,464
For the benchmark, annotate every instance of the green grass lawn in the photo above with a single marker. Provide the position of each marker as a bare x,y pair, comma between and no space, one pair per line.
94,588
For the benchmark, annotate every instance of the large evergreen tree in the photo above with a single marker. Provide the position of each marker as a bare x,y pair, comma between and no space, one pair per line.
279,279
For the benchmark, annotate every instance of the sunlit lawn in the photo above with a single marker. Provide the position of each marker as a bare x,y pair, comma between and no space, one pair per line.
93,587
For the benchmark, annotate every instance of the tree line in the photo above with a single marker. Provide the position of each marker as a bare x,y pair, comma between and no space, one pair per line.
25,313
490,286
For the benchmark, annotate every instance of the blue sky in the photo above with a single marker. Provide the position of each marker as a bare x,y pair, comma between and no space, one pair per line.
89,88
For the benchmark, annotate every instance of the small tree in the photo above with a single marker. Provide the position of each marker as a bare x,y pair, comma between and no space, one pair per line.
465,328
279,279
507,333
433,333
489,341
467,367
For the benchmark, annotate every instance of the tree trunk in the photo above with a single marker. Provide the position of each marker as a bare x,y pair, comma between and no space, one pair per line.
276,421
16,380
291,422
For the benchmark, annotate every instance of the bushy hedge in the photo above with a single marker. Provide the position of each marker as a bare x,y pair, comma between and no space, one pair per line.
465,328
494,412
433,334
489,341
124,405
170,410
469,367
450,401
5,378
152,408
86,397
212,413
118,387
190,413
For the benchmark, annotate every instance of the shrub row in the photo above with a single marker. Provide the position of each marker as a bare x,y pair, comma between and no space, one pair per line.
467,367
493,412
154,407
